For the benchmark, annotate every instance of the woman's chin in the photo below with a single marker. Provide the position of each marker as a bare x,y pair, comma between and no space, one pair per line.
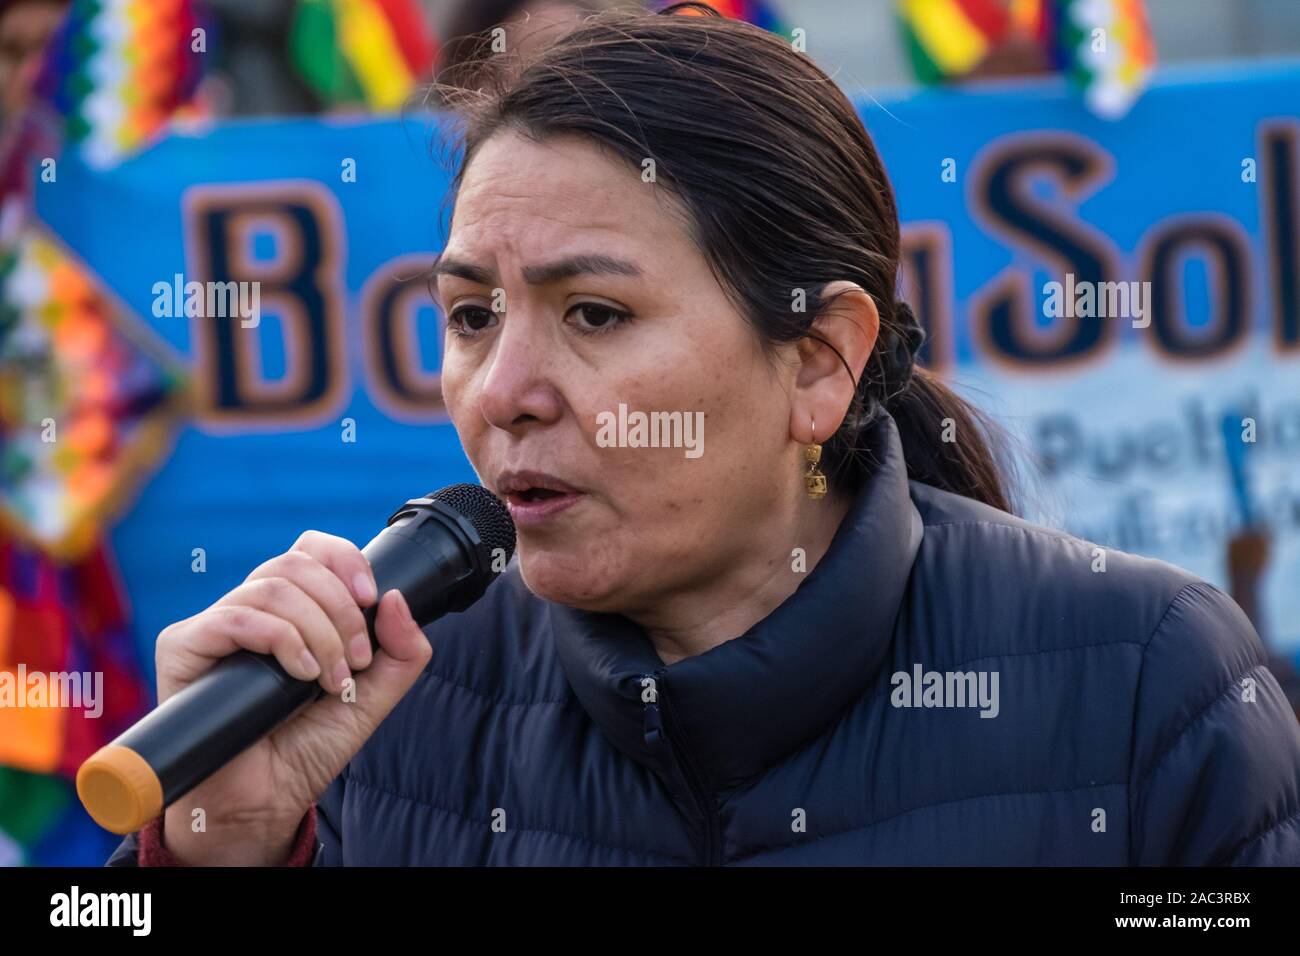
567,579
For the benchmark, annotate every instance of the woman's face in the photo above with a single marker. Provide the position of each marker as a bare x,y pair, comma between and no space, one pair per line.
571,287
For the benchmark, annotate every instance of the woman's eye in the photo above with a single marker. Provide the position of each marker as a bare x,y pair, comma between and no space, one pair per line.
590,318
471,319
593,317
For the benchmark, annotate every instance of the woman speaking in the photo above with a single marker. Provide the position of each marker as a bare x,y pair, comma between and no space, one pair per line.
769,605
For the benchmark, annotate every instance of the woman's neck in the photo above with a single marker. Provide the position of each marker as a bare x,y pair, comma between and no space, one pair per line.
746,590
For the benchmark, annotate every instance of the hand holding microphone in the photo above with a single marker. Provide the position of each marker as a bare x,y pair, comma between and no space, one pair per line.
250,726
254,804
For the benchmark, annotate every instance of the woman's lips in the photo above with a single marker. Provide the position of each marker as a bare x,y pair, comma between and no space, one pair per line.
532,510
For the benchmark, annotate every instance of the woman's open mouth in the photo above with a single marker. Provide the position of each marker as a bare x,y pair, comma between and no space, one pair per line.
534,498
536,505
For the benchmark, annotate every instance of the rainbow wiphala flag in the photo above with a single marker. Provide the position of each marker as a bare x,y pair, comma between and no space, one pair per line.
85,407
87,404
118,70
946,39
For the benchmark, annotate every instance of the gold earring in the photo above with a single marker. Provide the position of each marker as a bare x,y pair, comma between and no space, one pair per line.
814,481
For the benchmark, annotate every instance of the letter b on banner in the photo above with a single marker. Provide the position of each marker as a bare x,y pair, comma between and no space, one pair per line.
286,236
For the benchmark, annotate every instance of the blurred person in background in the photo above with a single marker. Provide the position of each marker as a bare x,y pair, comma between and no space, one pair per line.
25,30
255,73
293,57
529,25
25,27
1247,557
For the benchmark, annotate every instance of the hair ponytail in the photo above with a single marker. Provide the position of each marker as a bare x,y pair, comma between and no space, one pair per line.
948,442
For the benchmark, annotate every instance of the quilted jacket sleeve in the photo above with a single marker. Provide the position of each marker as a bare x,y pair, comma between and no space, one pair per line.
1215,768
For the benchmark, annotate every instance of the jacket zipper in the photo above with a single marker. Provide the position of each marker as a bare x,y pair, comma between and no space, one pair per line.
661,727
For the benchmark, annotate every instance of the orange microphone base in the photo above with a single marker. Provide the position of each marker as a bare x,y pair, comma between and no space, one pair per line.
119,789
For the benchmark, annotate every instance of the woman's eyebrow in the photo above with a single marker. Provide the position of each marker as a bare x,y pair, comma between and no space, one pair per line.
567,268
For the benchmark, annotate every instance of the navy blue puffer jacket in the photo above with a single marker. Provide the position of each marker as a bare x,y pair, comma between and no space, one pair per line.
1134,720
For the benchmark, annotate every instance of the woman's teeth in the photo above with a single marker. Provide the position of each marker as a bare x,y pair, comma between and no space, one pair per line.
538,494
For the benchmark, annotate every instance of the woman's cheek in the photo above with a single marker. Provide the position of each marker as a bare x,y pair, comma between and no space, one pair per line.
452,382
458,405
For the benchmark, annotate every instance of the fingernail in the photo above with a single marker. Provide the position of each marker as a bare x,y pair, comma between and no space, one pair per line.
364,587
341,673
311,669
359,647
406,608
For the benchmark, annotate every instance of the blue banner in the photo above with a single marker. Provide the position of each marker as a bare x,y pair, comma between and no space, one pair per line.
1121,294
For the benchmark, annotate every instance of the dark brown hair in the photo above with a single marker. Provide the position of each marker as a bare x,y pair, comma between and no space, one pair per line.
783,187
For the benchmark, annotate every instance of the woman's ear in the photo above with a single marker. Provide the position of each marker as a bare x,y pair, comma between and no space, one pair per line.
849,324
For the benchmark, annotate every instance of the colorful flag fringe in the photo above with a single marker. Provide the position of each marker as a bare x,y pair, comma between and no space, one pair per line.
374,52
83,405
118,70
1104,46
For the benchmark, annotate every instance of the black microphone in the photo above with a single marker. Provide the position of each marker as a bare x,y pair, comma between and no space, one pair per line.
441,551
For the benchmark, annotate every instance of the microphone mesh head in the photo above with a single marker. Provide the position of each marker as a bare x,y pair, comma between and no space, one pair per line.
485,512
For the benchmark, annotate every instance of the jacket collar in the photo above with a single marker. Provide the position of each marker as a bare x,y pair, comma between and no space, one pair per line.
745,704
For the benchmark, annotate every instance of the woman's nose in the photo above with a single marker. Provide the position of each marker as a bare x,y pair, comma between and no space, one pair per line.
518,389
